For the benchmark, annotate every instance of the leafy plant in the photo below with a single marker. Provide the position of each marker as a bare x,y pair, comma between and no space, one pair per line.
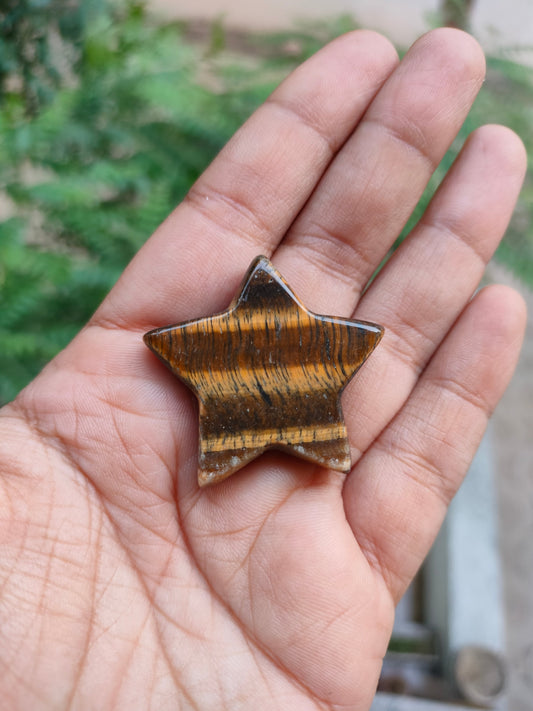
37,38
97,169
456,13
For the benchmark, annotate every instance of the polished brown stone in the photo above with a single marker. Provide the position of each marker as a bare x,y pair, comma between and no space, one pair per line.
268,374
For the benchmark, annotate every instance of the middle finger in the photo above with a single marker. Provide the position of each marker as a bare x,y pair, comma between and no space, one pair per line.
373,185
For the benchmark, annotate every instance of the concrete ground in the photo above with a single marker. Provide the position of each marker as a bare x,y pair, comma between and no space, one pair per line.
513,447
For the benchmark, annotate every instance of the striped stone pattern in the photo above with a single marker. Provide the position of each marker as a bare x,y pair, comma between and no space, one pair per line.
267,374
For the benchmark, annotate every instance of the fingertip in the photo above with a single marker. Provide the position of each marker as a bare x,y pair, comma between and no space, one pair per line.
504,302
365,53
502,312
372,41
455,47
361,51
333,88
504,146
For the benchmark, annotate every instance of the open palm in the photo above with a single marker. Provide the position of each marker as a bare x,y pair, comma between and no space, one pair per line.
125,586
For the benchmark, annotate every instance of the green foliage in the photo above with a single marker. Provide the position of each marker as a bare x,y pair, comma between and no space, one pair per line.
34,34
86,179
456,13
34,285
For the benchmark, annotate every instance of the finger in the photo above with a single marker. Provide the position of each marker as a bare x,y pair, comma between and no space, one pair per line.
398,499
374,183
424,287
245,201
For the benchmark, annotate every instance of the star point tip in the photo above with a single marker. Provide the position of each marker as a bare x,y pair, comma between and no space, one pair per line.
147,338
155,340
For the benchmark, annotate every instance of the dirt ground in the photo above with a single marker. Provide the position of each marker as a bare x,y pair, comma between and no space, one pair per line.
499,26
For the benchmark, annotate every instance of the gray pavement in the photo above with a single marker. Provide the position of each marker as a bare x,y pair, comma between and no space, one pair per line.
513,447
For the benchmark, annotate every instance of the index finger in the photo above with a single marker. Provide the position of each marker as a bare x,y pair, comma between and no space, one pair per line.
248,197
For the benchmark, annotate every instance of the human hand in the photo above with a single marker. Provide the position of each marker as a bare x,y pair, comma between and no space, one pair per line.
123,585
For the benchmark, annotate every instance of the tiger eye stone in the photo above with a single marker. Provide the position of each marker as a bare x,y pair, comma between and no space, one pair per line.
268,374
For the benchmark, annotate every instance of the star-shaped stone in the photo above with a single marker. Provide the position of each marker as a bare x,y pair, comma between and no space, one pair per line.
268,374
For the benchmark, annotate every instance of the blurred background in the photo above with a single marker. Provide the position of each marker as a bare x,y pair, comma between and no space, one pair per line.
109,110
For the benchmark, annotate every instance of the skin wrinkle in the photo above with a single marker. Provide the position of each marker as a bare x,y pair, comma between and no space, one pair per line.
251,548
453,387
22,543
168,466
98,599
397,346
117,431
22,679
176,625
309,630
310,241
17,596
50,437
154,681
174,546
41,606
67,364
401,349
225,533
253,653
393,578
419,467
202,197
61,559
128,659
110,402
91,639
339,616
367,543
407,142
453,231
92,604
140,482
430,429
159,675
25,683
306,120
